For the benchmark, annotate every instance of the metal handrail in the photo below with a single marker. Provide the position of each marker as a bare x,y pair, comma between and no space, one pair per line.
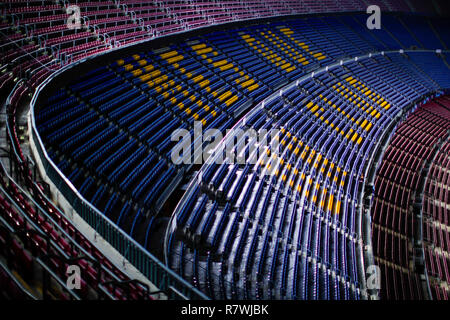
158,273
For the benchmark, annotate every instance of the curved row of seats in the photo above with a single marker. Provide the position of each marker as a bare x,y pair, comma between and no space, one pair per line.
45,72
45,217
52,32
192,80
47,30
23,261
52,40
137,102
48,37
436,218
181,84
49,236
127,21
397,186
292,234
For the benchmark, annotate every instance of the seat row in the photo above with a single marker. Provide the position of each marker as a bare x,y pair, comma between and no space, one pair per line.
436,214
249,234
396,187
213,80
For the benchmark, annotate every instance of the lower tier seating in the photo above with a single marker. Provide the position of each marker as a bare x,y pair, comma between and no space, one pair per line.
109,132
397,188
436,222
243,233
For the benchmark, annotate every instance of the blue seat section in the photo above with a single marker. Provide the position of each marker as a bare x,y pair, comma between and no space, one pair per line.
382,34
58,95
346,35
55,107
441,26
292,234
140,100
91,80
358,25
61,119
334,38
399,31
433,66
422,31
316,42
109,131
415,71
226,42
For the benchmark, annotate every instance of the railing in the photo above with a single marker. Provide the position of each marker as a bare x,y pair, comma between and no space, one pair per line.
364,223
374,161
31,228
26,294
197,178
164,278
156,272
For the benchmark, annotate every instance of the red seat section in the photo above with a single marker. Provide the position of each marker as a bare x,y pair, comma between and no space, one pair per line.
415,144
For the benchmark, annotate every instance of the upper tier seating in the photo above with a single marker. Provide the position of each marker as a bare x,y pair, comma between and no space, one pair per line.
46,43
215,82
